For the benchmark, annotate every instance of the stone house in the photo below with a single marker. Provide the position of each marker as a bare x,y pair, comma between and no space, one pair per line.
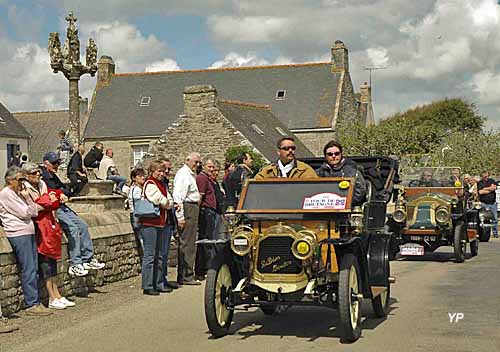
13,138
130,111
44,127
210,125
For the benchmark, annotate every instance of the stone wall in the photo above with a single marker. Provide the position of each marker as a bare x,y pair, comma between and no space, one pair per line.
316,140
201,129
114,244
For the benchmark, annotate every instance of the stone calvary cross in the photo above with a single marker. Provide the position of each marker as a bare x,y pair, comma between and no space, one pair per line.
68,62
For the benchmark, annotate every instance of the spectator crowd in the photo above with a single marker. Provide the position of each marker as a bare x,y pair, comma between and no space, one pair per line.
187,206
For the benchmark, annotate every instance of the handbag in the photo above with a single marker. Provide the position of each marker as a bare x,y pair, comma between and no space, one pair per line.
143,208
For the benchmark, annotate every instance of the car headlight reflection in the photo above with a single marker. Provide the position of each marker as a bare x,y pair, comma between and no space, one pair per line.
399,215
241,240
442,215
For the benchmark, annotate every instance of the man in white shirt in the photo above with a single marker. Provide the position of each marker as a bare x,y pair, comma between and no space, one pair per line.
109,171
187,196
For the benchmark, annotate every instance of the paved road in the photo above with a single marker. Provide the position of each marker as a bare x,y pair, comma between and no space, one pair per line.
120,318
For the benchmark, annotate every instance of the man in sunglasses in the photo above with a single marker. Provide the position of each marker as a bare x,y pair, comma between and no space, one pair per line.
287,165
336,165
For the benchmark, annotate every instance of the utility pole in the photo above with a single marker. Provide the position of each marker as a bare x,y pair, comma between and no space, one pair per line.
370,69
68,62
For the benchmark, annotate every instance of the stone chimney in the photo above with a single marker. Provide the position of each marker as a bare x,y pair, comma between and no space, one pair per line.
366,107
198,99
84,106
105,69
340,57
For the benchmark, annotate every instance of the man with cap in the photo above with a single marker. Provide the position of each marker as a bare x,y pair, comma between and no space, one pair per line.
80,247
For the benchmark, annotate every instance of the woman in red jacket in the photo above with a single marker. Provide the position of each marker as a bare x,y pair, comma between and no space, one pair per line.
48,233
152,229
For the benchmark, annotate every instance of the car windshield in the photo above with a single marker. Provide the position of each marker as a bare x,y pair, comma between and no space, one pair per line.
431,177
281,195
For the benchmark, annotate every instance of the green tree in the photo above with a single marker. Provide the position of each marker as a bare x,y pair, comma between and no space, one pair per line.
232,154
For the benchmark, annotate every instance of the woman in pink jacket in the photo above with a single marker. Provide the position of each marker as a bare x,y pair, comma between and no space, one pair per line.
16,211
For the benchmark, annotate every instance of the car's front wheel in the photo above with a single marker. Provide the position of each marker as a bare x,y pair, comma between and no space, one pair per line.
459,243
217,294
349,300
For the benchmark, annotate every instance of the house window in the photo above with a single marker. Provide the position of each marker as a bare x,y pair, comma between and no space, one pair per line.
2,120
145,101
12,149
280,131
280,94
139,151
257,129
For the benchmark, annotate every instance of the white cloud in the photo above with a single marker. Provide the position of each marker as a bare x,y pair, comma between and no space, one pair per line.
378,56
250,59
487,86
163,65
28,82
252,29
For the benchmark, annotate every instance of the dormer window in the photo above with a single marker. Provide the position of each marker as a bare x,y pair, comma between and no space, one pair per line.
280,94
257,129
145,101
2,120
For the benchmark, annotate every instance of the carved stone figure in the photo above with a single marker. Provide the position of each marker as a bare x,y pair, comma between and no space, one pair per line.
91,57
54,47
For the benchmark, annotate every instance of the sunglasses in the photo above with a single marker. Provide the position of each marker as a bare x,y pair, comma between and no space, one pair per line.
36,173
288,147
333,153
198,162
20,179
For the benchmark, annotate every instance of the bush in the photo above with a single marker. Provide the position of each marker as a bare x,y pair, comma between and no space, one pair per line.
232,154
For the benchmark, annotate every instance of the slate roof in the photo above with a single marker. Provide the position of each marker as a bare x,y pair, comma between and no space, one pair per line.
9,126
309,102
264,137
44,127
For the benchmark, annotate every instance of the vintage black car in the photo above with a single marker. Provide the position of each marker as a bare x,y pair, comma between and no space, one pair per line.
301,242
431,211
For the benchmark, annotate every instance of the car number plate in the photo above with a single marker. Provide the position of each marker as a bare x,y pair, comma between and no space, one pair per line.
412,249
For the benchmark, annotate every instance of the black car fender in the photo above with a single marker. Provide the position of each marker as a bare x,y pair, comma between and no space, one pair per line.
356,247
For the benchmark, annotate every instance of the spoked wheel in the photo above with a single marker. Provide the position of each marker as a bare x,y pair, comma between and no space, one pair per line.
459,243
349,300
380,303
474,247
217,293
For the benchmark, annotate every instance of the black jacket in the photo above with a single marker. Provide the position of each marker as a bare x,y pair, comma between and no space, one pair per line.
75,164
54,182
347,168
235,182
93,155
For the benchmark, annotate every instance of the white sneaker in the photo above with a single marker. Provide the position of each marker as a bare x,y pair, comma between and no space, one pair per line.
77,270
93,264
67,302
57,304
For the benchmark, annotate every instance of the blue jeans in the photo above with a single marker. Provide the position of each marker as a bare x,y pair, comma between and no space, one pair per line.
494,222
151,259
27,256
119,180
80,245
165,245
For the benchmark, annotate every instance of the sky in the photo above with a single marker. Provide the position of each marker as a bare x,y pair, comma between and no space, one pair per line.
429,49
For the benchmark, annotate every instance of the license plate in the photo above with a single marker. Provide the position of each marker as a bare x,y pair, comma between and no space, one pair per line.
412,249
